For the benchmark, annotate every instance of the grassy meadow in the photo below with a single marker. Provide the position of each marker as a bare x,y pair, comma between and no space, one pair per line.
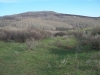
51,56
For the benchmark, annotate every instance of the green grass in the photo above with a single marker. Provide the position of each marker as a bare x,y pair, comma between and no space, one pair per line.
46,59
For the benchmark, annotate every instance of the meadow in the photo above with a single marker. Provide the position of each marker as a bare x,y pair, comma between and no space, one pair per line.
51,56
49,43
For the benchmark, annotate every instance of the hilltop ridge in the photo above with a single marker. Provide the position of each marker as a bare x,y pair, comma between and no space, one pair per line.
49,20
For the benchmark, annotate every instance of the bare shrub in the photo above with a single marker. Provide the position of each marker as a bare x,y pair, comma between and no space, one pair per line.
95,42
31,44
85,39
2,35
45,34
60,34
16,35
39,34
96,30
59,43
92,40
20,35
34,34
77,33
88,39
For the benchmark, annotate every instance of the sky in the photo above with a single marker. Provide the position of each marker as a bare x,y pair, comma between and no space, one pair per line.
76,7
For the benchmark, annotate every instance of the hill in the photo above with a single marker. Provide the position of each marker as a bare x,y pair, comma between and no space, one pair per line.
49,20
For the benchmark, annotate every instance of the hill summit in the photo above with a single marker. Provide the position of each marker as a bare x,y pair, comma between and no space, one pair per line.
48,20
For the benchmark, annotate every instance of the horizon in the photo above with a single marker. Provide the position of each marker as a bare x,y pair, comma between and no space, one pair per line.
88,8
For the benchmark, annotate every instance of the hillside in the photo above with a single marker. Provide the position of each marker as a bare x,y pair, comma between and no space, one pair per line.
49,20
58,49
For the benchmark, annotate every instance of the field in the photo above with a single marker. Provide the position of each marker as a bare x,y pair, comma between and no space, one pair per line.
49,57
49,43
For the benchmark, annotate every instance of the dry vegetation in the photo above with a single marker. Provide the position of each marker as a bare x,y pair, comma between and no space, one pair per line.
74,48
31,25
9,33
48,20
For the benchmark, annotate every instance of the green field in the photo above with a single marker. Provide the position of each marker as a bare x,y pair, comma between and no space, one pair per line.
52,56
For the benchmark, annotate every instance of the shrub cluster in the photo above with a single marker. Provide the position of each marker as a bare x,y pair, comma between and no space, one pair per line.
95,42
96,30
31,44
60,34
21,35
92,40
76,33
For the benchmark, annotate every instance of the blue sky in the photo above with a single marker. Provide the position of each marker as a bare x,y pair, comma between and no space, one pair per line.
78,7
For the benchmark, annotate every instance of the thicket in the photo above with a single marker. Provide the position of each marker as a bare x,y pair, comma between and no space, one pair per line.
21,35
90,38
